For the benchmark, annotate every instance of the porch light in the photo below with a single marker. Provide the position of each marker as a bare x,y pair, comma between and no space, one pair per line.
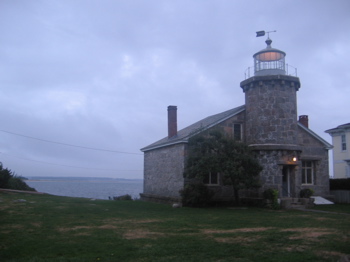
295,159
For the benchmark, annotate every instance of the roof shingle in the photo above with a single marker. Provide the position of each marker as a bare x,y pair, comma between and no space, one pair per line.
184,134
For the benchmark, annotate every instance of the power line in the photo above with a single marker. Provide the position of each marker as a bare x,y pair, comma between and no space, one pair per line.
64,144
54,164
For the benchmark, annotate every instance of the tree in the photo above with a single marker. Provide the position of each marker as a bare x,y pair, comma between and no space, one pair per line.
10,180
215,153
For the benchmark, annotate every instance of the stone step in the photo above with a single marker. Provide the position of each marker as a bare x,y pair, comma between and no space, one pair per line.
297,206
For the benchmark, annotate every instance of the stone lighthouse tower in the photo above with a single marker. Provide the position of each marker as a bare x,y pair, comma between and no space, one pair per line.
271,118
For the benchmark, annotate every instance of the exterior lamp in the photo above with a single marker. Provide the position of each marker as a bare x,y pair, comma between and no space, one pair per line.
294,159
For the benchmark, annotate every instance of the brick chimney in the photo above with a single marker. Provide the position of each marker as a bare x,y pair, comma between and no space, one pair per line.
304,120
172,121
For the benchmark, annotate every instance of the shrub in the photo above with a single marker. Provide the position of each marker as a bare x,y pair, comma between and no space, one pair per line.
272,195
196,195
123,197
9,180
306,193
17,183
5,176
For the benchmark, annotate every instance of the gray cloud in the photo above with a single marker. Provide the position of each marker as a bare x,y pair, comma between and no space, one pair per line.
101,74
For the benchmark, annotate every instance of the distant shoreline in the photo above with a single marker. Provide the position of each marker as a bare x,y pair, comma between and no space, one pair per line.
23,191
71,179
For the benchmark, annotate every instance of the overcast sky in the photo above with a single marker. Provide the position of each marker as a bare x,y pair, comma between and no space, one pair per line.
100,74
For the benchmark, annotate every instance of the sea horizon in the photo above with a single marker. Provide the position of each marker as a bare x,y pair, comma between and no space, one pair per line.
87,187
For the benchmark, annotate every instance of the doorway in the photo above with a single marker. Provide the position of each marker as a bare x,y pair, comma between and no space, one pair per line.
287,172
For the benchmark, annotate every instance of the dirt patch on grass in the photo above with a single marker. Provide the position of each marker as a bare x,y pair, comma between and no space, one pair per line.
132,221
4,206
334,254
237,230
293,248
141,233
108,226
8,229
324,219
60,207
76,228
82,234
308,233
235,240
67,229
243,240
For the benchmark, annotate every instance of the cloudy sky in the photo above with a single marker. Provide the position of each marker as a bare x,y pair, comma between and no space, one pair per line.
84,84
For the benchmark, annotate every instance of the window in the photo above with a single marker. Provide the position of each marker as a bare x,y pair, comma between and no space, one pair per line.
343,142
237,132
307,175
212,179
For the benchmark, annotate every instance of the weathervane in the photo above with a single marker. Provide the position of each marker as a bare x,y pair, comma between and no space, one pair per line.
262,33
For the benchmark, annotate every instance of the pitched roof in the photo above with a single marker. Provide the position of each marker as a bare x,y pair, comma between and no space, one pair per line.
340,128
184,134
312,133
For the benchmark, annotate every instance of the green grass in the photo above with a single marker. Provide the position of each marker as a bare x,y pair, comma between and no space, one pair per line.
339,208
51,228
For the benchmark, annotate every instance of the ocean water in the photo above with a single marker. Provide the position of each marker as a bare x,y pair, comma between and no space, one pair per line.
88,188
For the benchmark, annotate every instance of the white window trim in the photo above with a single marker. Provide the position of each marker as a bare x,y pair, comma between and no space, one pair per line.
211,184
343,142
312,173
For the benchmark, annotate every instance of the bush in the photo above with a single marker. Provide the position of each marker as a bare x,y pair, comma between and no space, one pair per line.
9,180
306,193
17,183
123,197
272,195
196,195
5,176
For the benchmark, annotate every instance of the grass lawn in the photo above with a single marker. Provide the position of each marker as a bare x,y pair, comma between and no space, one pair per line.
50,228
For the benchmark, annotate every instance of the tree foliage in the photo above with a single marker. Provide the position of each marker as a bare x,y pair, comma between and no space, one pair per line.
216,153
10,180
196,195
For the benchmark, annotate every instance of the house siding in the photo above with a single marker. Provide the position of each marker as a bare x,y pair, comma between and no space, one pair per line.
339,155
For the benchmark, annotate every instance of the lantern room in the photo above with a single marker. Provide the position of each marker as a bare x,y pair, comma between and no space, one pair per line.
269,61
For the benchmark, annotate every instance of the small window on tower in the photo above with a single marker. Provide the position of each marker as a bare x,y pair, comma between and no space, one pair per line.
237,132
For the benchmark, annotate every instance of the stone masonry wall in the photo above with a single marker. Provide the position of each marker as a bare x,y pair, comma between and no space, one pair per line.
273,162
271,109
163,171
314,150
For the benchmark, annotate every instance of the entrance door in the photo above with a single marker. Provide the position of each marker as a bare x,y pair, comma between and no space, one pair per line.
286,173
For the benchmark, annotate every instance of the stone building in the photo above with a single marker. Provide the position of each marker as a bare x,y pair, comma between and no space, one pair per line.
293,157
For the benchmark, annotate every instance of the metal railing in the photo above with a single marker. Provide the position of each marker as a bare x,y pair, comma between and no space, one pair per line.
290,70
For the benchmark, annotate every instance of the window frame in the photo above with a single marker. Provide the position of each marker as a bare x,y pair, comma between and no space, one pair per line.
238,137
208,181
343,142
305,174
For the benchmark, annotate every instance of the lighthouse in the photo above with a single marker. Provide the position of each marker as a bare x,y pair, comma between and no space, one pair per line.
271,128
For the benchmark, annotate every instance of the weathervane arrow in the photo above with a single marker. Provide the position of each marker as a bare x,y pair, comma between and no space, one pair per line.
262,33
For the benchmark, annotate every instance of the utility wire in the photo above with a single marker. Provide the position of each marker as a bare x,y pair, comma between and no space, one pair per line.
64,144
42,162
